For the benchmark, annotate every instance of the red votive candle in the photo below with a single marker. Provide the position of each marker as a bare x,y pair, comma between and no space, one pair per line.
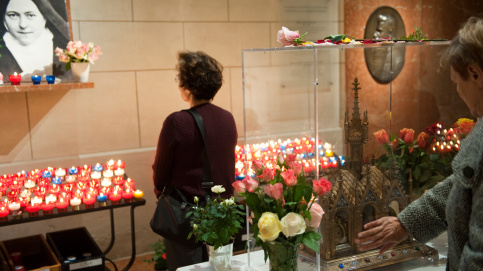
61,205
33,210
118,180
47,208
4,213
129,184
127,196
89,201
15,78
115,197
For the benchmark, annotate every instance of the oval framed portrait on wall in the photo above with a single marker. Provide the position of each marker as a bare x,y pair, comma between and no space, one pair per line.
384,63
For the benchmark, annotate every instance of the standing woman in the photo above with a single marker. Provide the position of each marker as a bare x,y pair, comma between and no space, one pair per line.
456,204
179,155
30,32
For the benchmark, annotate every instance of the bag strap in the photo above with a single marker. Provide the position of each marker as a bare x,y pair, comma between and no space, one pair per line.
207,182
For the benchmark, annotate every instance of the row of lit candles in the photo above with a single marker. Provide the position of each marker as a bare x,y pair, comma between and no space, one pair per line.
46,183
14,207
308,166
15,79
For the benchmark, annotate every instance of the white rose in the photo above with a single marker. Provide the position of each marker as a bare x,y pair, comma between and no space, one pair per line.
292,224
218,189
196,199
229,202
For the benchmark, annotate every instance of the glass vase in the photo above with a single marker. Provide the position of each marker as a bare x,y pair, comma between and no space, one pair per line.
282,255
220,259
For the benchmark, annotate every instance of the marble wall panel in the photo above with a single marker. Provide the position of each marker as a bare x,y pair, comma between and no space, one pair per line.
101,10
158,96
14,128
225,41
180,10
53,123
108,114
254,10
138,46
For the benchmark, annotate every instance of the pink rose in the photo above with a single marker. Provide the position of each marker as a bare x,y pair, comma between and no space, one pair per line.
250,184
268,174
316,212
290,160
239,186
321,186
422,139
297,168
287,37
274,191
381,136
407,135
289,177
257,165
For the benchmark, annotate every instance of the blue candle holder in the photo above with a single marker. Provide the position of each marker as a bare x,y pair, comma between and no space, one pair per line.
57,180
101,198
97,167
46,174
72,170
50,79
36,79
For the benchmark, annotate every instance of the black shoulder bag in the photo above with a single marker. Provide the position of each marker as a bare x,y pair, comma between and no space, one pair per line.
169,219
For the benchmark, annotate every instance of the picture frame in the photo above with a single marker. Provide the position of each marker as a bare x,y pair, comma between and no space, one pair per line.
29,34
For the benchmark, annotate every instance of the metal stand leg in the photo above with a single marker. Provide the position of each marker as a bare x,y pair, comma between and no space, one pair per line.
113,234
133,241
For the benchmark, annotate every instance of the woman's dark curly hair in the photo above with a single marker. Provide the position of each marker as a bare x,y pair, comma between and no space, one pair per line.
199,73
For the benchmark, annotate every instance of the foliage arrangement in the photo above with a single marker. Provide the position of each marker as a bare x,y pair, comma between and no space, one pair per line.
218,221
78,52
159,257
286,204
427,158
416,35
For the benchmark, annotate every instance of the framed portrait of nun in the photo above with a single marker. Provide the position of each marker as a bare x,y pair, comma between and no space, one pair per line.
29,33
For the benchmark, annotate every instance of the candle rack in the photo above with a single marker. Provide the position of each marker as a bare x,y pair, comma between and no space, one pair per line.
24,218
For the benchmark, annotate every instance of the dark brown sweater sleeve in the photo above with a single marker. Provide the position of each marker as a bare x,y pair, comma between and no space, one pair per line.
164,155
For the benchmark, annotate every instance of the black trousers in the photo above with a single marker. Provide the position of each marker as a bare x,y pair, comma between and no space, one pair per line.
178,255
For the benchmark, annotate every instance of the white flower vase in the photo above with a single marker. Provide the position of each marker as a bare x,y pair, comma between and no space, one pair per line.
220,259
80,71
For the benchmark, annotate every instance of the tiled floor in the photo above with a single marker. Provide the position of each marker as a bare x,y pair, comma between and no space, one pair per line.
138,265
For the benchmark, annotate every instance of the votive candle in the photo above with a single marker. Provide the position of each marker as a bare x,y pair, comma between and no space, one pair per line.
101,198
114,197
4,213
138,194
50,79
89,201
61,205
15,78
36,79
75,202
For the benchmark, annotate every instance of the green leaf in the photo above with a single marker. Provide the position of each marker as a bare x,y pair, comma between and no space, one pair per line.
311,240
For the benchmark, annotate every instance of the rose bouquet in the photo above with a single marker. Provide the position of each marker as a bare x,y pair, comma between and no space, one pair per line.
218,221
284,212
78,52
426,158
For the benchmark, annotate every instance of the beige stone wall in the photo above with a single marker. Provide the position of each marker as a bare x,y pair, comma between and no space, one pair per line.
135,90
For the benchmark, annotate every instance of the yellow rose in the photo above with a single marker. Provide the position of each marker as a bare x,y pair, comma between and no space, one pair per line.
269,226
293,224
461,120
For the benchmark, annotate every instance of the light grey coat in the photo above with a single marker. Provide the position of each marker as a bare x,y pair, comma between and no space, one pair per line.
454,205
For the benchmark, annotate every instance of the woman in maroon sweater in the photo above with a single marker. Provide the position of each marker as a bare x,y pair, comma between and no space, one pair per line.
179,155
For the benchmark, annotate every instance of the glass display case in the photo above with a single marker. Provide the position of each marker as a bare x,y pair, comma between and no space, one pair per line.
324,103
